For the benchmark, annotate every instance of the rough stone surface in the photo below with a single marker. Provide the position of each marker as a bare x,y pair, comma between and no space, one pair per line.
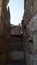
33,30
4,30
35,6
5,19
16,30
30,29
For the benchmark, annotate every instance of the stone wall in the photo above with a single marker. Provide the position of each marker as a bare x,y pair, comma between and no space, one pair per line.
5,20
4,30
29,43
35,6
16,30
32,27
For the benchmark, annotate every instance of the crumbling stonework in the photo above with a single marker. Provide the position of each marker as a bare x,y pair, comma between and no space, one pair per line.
16,30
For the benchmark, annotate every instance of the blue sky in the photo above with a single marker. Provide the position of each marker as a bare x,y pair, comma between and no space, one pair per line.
16,11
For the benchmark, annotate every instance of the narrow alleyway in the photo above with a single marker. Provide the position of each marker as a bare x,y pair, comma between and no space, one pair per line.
18,43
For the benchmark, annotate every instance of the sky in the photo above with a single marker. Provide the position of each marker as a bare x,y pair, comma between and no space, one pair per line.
16,11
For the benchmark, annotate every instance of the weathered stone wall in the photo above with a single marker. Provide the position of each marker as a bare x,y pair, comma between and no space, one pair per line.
26,18
5,20
32,27
28,12
29,41
4,30
16,30
1,24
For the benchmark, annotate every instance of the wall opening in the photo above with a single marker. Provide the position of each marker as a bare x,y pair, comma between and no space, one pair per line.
16,11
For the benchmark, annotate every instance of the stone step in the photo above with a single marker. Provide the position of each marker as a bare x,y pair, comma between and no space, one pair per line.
20,62
16,55
14,46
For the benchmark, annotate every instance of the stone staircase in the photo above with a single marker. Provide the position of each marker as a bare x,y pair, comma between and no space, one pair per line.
16,53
